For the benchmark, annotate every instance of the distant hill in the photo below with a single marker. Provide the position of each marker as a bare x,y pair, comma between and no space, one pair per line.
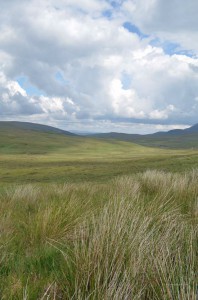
32,126
25,137
35,139
175,139
192,129
30,138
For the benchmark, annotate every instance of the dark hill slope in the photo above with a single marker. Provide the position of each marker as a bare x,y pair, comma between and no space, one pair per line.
30,138
17,138
9,125
175,139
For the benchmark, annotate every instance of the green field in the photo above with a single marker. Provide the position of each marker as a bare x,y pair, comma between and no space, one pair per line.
84,218
29,157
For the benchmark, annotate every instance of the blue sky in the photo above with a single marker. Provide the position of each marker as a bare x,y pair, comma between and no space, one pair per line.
171,48
99,65
134,29
30,89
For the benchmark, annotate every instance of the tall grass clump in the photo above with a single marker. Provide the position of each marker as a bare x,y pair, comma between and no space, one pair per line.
135,238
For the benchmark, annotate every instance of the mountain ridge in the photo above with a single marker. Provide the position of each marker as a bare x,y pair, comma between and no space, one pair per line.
174,139
192,129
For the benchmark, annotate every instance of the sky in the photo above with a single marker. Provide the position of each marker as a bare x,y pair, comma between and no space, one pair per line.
100,65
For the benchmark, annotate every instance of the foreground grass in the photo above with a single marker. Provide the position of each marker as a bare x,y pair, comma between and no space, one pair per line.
134,238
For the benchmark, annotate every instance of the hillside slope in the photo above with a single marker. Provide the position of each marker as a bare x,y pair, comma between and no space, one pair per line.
35,156
9,125
17,138
175,139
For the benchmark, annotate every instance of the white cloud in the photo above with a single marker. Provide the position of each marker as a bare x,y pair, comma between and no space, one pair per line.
15,102
162,114
108,75
174,20
14,99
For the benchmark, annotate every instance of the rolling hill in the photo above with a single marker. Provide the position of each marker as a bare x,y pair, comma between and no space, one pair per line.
36,138
38,155
30,138
174,139
10,125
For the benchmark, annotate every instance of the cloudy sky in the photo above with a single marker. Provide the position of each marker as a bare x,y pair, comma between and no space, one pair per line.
100,65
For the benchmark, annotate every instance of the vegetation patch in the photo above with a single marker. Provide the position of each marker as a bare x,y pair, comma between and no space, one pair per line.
133,238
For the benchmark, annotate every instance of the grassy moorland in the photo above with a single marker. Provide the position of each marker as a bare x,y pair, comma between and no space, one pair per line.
82,218
173,139
28,156
134,238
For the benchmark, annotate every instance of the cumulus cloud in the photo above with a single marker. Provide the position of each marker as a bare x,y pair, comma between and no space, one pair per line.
174,20
15,101
93,71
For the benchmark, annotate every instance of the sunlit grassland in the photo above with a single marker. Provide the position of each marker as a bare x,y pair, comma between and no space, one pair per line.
30,157
76,168
133,238
83,218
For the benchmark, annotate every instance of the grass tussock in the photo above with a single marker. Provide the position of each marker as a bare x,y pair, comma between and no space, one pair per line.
135,238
